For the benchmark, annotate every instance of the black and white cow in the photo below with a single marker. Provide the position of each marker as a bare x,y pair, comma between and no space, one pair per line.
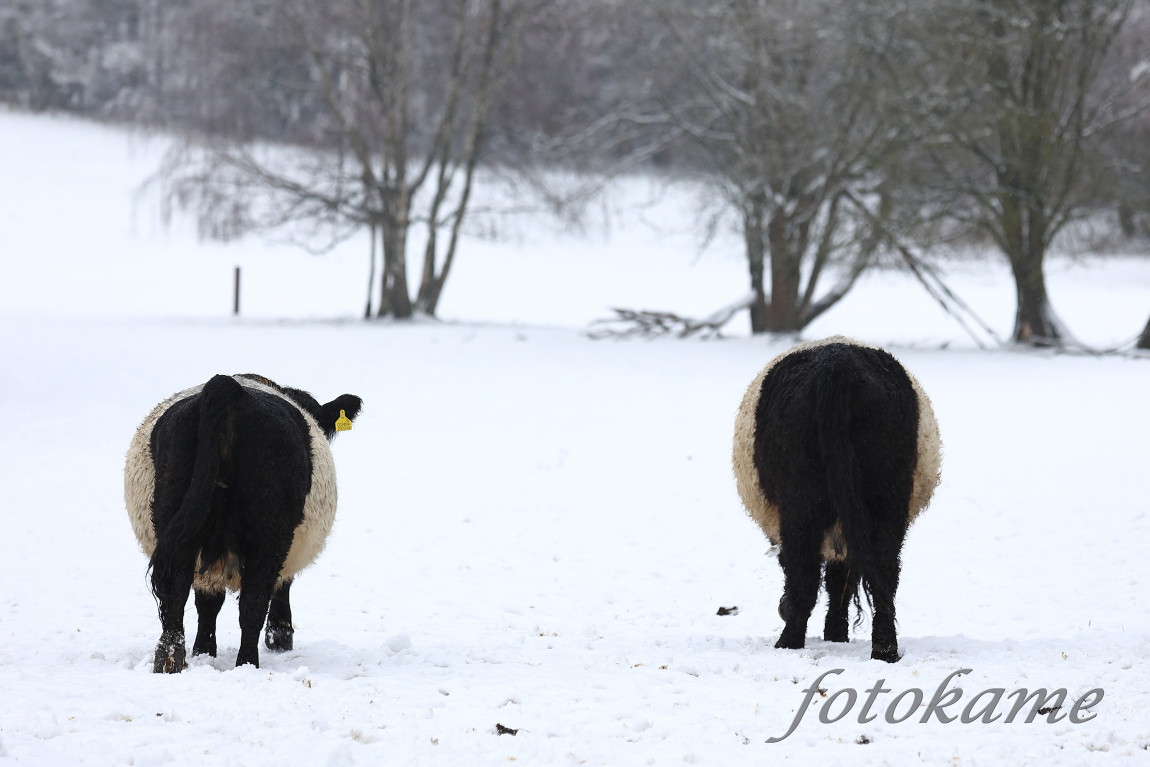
231,486
836,451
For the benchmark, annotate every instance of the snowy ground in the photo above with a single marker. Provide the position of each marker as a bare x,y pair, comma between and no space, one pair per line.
536,530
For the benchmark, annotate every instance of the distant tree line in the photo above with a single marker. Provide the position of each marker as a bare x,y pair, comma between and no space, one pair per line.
832,131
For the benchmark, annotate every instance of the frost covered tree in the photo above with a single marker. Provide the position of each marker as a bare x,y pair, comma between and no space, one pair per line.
776,103
1011,108
1126,149
79,55
385,104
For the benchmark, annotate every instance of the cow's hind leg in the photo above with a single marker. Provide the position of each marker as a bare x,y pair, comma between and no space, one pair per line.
256,594
883,587
208,604
882,574
171,583
278,635
882,584
801,560
842,585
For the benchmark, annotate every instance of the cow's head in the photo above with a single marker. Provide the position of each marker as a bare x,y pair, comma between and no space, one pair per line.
347,405
325,415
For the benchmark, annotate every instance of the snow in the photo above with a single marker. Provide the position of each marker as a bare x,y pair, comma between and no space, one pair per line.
536,530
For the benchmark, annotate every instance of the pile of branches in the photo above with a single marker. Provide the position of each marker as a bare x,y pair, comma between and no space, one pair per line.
643,323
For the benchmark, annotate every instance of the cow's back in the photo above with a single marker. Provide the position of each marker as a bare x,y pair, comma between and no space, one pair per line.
278,454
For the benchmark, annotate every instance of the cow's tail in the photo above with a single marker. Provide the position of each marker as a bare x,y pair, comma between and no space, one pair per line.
837,397
215,440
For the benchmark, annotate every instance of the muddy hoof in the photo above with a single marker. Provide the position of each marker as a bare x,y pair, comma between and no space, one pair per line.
170,658
279,638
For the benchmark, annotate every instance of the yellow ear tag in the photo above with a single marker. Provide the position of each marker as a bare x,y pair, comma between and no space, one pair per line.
342,423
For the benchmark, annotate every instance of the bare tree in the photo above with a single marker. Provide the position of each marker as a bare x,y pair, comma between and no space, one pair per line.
402,92
1126,149
776,104
1011,112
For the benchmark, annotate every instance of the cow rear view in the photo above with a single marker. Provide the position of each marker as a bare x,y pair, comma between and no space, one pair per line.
836,452
230,486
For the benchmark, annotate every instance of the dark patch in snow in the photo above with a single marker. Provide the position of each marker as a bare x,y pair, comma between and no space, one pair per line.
501,730
728,611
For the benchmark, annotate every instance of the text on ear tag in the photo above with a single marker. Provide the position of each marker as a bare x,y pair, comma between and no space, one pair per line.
342,423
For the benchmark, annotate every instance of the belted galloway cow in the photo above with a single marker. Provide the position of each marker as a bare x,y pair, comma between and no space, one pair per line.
230,486
836,451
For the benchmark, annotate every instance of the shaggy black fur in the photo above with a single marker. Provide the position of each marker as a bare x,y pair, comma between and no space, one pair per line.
233,469
836,450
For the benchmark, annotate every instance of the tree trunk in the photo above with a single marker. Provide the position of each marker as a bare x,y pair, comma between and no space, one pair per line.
370,273
784,315
753,235
1023,189
1126,221
1034,321
394,301
491,74
1144,339
1024,229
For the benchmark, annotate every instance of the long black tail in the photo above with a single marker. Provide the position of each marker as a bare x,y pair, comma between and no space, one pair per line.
215,440
836,399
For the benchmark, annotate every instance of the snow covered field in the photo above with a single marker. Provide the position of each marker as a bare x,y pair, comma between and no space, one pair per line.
536,530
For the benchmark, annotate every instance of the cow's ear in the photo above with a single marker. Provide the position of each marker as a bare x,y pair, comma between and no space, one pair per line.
347,404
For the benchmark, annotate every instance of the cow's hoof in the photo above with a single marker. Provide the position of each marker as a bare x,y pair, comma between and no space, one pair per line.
170,659
788,642
279,638
885,654
836,632
204,647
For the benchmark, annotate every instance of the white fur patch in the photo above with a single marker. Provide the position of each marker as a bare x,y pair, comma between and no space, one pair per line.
140,474
766,514
319,506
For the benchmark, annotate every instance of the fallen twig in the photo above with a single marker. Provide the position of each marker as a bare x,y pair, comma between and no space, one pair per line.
651,324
